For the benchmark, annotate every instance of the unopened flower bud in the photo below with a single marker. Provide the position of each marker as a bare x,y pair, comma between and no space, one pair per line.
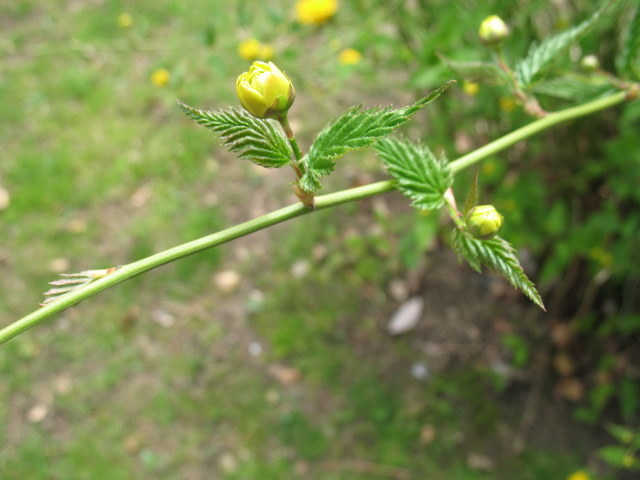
484,222
265,91
493,30
590,63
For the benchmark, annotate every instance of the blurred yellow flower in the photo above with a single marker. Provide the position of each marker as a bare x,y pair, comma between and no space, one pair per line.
249,49
160,77
507,104
349,56
125,20
628,461
252,50
579,475
471,88
266,52
315,12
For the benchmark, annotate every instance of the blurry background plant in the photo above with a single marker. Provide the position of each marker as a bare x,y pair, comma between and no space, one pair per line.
100,168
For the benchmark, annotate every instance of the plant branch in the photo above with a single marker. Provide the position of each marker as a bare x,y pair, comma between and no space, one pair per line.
134,269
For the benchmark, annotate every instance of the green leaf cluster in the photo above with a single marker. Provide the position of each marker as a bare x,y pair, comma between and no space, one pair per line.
254,139
357,128
497,254
419,174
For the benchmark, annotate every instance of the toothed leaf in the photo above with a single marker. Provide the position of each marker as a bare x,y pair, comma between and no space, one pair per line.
419,174
497,254
541,55
355,129
251,138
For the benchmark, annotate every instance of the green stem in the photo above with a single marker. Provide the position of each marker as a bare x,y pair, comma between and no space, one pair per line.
535,127
284,121
307,198
321,202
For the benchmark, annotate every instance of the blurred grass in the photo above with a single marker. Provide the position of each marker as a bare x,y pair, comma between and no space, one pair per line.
153,379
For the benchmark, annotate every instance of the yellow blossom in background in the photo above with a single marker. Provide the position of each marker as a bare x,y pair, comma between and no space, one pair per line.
160,77
249,49
471,88
507,104
266,52
349,56
628,461
315,12
579,475
252,50
125,20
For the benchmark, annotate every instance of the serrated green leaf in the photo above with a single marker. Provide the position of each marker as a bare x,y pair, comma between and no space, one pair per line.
251,138
628,61
419,174
477,71
355,129
573,87
497,254
541,55
472,196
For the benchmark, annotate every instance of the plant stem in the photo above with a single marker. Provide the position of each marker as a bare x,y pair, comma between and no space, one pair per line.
535,127
284,121
321,202
307,198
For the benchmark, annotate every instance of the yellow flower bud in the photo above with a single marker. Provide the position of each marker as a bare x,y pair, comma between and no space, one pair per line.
493,30
507,104
160,77
349,56
265,91
315,12
484,222
125,20
471,88
579,475
249,49
266,52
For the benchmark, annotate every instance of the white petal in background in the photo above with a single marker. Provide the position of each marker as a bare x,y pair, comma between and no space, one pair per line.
406,317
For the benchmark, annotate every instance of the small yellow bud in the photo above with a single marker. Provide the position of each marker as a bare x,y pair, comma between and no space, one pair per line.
265,91
484,221
266,52
471,88
507,104
160,77
579,475
590,63
249,49
315,12
125,20
493,30
349,56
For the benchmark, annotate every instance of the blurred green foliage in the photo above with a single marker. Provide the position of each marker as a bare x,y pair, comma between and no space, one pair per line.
101,168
